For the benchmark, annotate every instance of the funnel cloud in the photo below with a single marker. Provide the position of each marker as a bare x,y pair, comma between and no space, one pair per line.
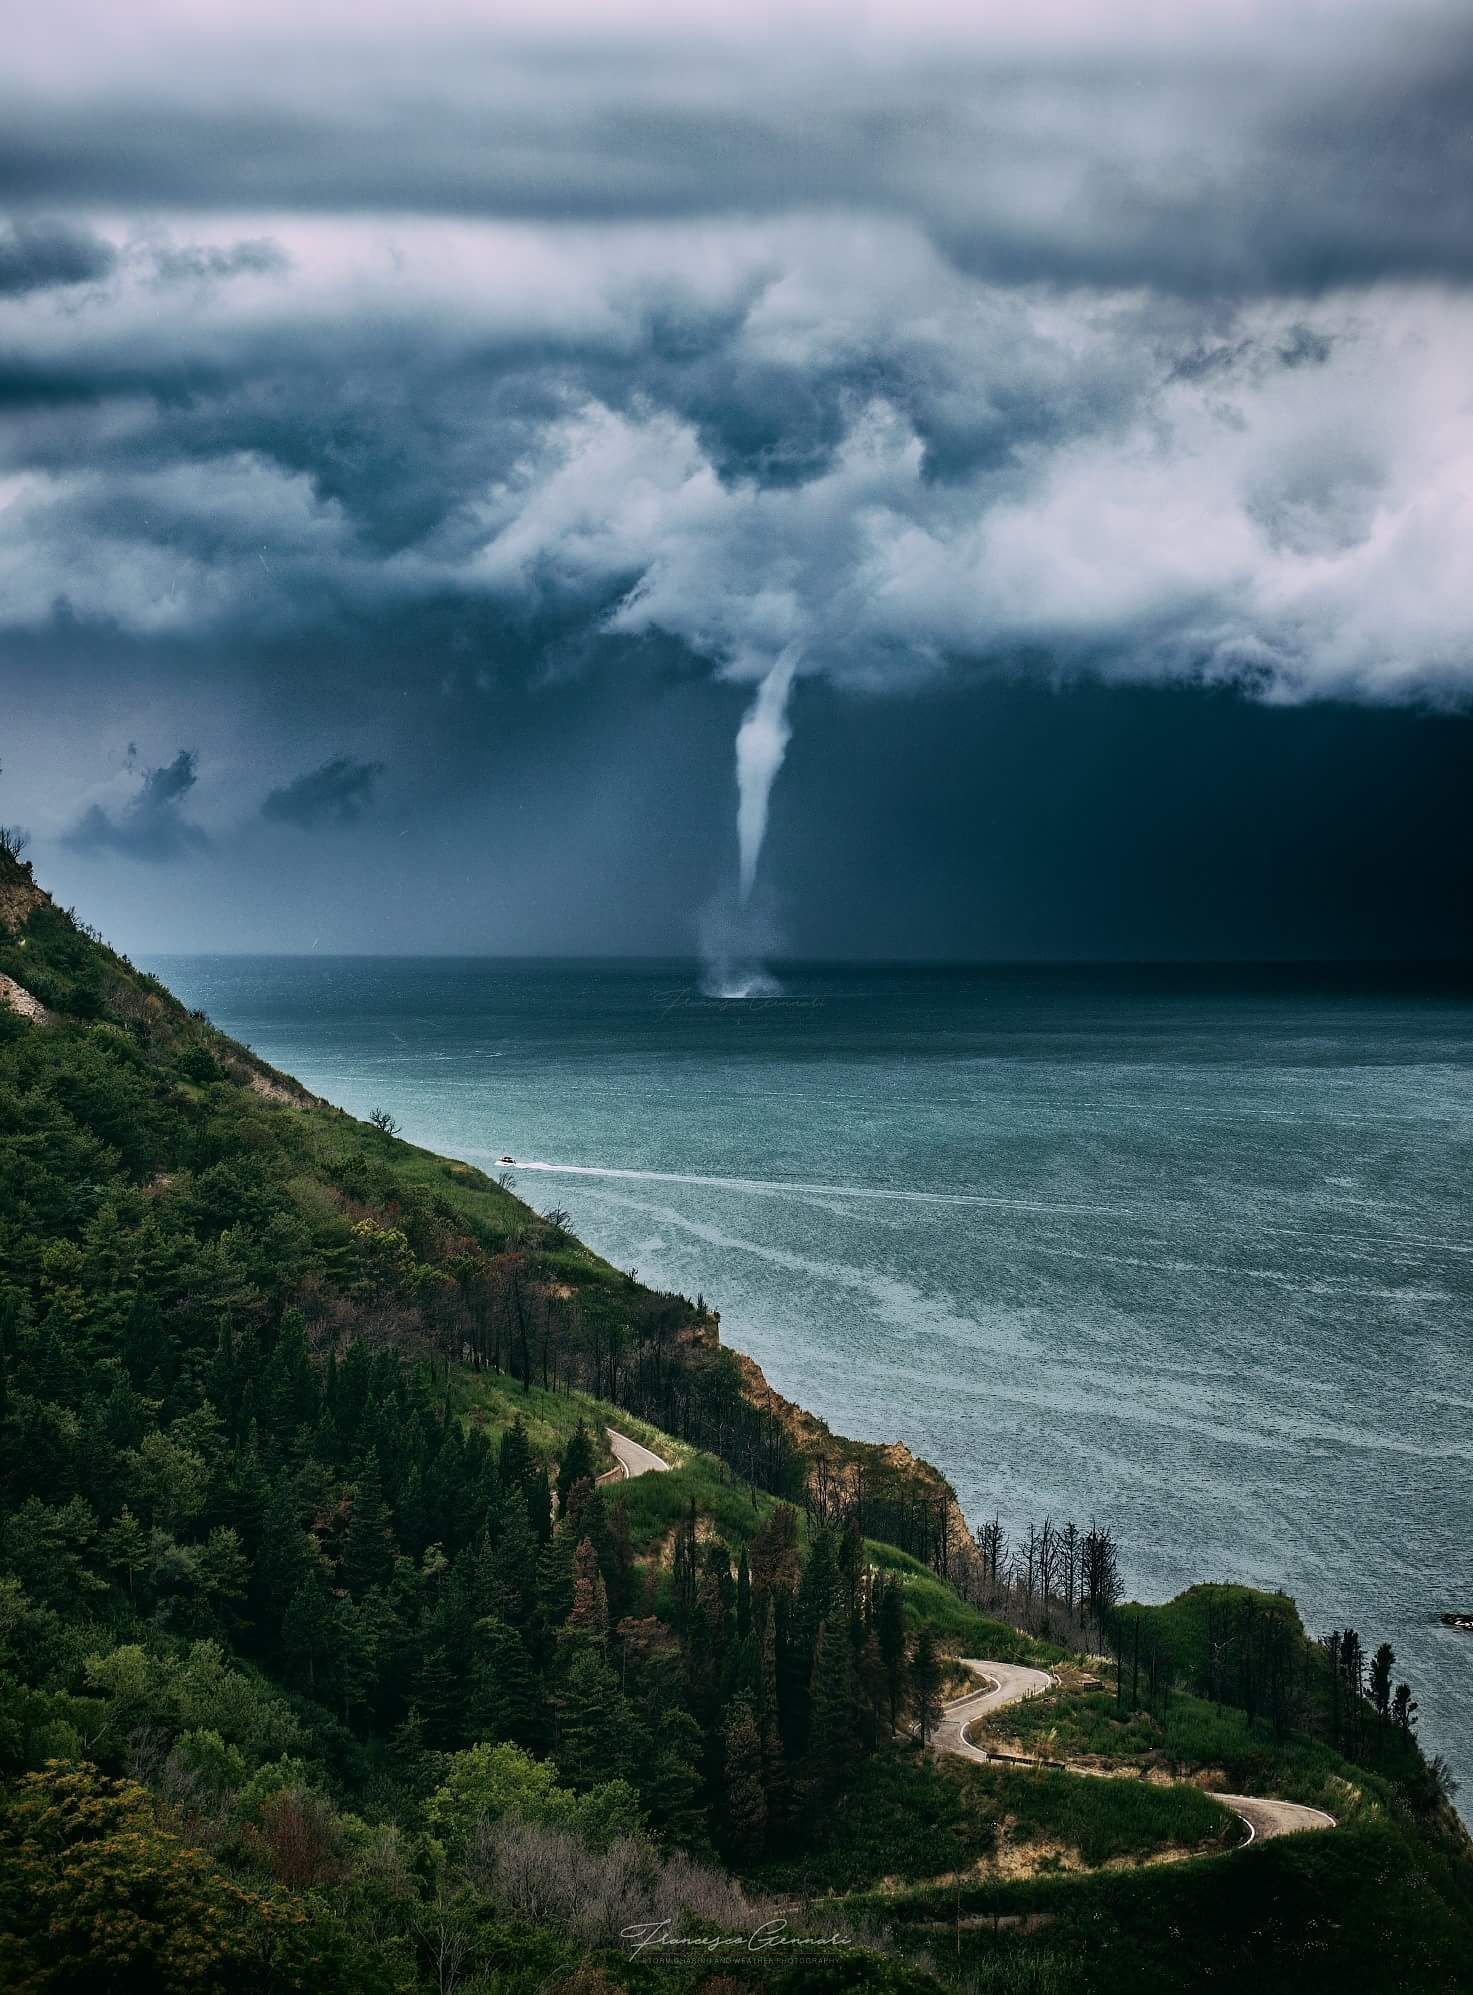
761,743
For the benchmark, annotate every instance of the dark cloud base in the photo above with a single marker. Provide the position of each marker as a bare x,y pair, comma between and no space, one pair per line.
152,827
338,792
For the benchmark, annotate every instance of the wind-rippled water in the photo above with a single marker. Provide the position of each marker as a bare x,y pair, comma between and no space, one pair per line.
1190,1251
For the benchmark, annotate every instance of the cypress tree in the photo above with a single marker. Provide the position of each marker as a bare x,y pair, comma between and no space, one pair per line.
890,1631
775,1779
831,1713
873,1687
925,1683
744,1804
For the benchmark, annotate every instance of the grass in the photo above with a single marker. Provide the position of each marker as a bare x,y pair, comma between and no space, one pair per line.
485,1210
497,1400
1102,1819
1359,1908
960,1628
1191,1735
903,1818
907,1819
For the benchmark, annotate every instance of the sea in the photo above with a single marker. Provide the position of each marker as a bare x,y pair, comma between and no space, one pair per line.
1184,1250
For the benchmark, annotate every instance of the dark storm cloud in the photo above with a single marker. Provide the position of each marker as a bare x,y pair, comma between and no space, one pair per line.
152,825
43,255
1245,148
1246,151
438,362
336,793
825,437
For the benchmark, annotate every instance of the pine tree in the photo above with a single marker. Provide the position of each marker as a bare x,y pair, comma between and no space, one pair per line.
125,1546
537,1491
577,1465
591,1744
308,1633
775,1562
590,1609
288,1555
1404,1711
8,1313
504,1701
814,1600
668,1777
873,1687
439,1698
514,1565
515,1455
373,1636
744,1807
555,1578
368,1548
619,1571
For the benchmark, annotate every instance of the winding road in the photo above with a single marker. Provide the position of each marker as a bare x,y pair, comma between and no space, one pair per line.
1007,1683
633,1458
1267,1819
1010,1683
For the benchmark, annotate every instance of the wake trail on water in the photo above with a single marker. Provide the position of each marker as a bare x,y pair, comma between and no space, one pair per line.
787,1187
894,1195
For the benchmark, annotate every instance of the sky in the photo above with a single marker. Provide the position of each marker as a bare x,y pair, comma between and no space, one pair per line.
945,481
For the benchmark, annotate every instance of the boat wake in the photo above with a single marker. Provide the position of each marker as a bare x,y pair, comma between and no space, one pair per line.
792,1188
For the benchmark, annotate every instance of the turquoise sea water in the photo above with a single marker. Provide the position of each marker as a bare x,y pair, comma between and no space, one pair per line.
1190,1251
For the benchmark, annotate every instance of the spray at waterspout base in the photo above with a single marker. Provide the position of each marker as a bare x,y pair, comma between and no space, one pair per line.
734,942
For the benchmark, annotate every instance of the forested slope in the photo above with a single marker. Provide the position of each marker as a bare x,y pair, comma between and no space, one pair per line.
327,1662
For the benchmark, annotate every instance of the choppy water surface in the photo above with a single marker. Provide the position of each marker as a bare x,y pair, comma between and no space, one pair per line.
1192,1251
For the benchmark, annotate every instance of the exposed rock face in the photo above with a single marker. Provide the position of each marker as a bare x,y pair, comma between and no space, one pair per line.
15,997
837,1466
19,898
262,1084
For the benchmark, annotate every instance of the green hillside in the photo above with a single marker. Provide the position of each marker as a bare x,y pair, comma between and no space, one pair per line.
327,1662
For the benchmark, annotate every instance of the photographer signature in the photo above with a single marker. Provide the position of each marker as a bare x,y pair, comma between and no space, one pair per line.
771,1934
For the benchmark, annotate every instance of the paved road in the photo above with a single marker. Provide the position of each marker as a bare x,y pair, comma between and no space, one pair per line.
1007,1683
633,1459
1010,1683
1267,1819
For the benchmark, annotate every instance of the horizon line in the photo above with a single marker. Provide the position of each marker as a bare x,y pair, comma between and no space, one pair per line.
1448,962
